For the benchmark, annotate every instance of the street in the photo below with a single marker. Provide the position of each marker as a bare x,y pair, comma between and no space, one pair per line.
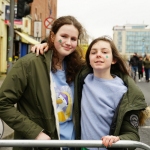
143,131
145,87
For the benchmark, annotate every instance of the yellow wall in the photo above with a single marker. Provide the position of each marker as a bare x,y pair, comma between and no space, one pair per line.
3,41
84,48
3,47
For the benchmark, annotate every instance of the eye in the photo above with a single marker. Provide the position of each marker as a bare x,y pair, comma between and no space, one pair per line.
93,52
73,39
64,36
105,52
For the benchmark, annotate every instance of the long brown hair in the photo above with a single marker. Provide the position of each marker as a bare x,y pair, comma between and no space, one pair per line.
119,66
74,61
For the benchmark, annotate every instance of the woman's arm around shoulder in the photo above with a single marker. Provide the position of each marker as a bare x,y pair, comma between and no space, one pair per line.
39,48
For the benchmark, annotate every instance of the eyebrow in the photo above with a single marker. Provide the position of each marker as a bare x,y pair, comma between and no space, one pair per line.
105,48
68,35
101,49
93,49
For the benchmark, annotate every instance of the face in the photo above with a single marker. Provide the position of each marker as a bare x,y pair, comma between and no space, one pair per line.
65,40
101,56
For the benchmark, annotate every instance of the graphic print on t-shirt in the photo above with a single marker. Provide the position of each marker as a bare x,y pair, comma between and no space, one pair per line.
64,103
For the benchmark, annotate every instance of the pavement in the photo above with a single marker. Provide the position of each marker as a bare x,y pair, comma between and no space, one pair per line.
8,132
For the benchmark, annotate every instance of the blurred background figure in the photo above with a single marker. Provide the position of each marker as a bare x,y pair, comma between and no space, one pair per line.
140,68
134,64
146,63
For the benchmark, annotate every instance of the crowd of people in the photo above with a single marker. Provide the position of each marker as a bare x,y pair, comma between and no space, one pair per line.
140,65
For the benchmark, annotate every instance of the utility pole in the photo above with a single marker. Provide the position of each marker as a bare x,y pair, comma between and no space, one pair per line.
11,36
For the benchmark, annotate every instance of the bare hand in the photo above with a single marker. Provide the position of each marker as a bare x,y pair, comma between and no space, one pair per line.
109,140
43,136
39,48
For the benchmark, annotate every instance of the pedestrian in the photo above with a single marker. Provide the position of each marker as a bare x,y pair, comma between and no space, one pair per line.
106,107
134,64
140,68
146,63
43,87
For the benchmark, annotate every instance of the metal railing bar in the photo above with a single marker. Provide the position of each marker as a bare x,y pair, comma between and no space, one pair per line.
144,127
71,143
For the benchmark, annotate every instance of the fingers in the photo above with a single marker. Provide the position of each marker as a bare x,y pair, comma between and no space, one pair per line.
42,136
45,47
109,140
39,48
36,49
33,49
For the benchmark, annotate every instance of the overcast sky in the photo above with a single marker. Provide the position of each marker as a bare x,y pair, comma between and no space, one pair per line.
99,16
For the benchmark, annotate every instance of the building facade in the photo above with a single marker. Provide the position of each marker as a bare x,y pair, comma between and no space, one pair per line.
28,31
132,38
3,37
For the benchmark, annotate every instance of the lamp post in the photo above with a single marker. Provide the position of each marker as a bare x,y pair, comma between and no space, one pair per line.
11,36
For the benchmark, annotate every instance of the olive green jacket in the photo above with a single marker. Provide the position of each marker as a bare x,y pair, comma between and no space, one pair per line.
131,104
146,64
28,86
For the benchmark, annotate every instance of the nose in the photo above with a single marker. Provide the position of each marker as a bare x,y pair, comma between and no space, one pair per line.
98,54
68,41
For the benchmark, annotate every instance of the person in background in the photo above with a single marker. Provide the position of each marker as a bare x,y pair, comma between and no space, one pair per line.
99,111
140,68
43,87
146,63
134,64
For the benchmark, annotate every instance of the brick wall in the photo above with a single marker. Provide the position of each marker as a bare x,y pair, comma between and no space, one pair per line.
40,10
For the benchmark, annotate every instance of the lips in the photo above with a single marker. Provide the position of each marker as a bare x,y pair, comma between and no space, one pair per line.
99,61
67,48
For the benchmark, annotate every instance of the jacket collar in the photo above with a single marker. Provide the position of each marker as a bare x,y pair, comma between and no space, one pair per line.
48,59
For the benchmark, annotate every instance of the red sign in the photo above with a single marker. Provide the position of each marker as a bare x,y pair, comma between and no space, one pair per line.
48,22
7,16
16,22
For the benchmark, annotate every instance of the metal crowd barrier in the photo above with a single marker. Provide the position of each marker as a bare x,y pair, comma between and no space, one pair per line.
71,143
